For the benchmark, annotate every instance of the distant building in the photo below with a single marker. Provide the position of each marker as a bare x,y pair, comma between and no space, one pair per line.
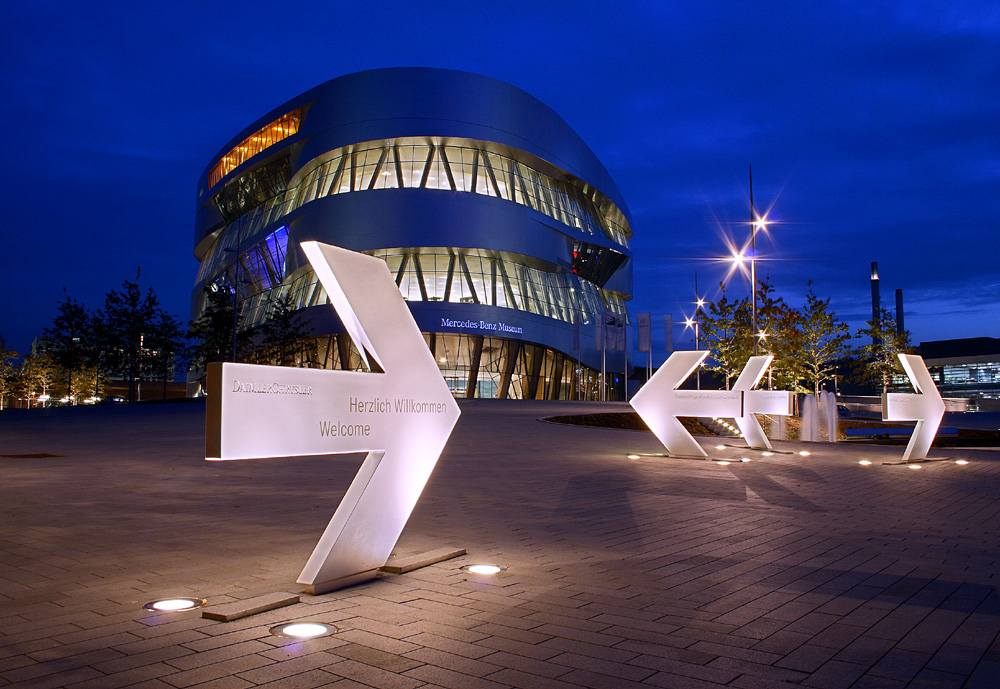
967,368
502,229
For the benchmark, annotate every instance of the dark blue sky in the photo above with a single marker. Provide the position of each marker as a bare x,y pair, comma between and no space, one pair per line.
873,129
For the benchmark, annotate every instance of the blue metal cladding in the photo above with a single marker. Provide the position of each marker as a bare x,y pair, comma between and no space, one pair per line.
442,108
416,101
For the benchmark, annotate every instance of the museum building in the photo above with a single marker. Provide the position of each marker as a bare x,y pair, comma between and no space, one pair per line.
502,229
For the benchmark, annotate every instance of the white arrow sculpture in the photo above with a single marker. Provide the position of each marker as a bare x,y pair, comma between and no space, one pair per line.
925,407
402,417
659,403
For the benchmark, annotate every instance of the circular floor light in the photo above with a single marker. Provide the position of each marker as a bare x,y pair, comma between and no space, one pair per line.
914,466
744,459
174,604
767,454
722,462
632,456
488,570
303,630
720,447
804,453
865,462
963,462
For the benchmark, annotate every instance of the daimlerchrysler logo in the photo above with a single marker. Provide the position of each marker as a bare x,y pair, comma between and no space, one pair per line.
271,388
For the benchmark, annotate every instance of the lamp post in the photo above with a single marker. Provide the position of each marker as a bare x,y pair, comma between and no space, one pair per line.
756,222
696,323
753,267
693,323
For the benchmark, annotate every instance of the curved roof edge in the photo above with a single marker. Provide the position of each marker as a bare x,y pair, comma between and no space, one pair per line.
373,104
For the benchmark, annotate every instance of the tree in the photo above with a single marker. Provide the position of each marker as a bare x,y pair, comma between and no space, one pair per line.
8,372
825,339
884,343
283,332
68,340
213,331
38,371
781,325
167,347
128,318
726,330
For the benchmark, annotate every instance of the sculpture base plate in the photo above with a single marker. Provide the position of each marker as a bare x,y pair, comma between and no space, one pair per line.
319,588
925,460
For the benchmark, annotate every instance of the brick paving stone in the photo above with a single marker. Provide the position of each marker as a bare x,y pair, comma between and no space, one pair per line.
984,676
835,674
214,671
615,655
696,671
900,664
527,680
595,680
685,654
311,679
781,642
956,659
431,674
376,658
452,646
874,682
127,678
745,667
807,658
866,650
935,679
672,681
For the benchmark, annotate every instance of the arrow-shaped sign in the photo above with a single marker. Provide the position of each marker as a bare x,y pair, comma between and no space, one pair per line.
773,402
925,407
401,416
659,403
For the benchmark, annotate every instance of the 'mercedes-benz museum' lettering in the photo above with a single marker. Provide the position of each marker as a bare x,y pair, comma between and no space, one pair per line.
482,325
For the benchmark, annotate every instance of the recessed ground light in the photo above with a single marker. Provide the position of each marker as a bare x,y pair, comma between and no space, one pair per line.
174,604
804,453
303,630
744,459
723,462
767,454
963,462
720,447
633,456
914,466
483,569
865,462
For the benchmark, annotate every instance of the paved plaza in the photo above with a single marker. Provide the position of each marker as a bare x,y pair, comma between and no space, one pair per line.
782,571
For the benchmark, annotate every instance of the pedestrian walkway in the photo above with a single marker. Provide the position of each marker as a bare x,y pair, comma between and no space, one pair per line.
784,570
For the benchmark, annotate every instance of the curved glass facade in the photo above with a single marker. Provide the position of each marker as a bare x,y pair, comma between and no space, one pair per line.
404,164
428,206
431,274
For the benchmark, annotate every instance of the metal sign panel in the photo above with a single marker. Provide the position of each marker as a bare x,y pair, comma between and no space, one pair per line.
402,417
925,407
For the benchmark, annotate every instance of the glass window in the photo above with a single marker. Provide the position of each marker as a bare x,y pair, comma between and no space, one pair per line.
280,129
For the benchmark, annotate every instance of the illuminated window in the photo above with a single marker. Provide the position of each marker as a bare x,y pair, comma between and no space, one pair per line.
281,128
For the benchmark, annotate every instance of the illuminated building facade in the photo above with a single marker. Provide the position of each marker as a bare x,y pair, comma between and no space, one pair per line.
506,235
966,368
